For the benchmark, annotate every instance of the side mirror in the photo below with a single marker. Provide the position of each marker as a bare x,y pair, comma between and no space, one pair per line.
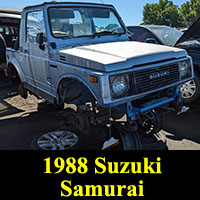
40,40
151,40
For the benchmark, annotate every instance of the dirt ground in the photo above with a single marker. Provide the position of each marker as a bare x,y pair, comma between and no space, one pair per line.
21,122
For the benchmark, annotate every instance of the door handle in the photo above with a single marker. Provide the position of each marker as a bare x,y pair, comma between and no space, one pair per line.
53,66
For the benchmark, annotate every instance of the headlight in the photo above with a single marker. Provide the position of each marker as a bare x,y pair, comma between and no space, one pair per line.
184,69
119,84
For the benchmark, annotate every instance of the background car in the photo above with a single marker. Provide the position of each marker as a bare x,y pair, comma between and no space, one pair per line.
190,40
9,28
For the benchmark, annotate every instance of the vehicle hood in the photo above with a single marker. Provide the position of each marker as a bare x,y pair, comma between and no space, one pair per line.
115,56
193,33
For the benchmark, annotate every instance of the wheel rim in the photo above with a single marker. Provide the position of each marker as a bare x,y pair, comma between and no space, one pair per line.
188,89
58,140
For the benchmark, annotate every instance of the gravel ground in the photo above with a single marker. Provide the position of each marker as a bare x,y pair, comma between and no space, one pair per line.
21,122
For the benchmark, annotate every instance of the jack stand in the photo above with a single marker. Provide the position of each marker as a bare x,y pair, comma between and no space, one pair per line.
112,142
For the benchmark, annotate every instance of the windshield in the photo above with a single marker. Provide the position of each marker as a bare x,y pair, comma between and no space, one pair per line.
169,36
68,22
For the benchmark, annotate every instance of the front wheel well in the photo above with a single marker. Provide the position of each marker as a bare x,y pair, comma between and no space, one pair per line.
12,73
73,91
197,69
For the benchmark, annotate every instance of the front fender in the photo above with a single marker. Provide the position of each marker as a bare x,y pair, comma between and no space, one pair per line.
80,80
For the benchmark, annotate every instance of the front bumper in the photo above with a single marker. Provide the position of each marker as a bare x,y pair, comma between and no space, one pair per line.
134,112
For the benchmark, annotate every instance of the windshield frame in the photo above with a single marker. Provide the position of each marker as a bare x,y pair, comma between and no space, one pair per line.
82,6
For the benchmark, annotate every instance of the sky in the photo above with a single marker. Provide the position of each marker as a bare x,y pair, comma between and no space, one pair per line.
130,10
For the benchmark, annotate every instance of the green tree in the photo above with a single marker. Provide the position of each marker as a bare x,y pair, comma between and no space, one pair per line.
162,13
190,11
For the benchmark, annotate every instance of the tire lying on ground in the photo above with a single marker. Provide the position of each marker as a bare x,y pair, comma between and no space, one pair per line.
138,141
69,132
58,140
68,137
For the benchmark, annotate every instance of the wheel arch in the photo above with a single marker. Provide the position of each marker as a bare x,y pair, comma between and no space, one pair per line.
196,68
73,89
14,69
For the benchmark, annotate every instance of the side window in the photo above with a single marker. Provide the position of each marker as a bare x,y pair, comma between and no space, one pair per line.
35,24
1,29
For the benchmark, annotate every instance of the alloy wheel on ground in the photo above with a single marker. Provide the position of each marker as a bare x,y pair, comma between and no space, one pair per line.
58,140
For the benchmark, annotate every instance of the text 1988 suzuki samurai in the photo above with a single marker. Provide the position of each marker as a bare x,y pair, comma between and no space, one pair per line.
81,53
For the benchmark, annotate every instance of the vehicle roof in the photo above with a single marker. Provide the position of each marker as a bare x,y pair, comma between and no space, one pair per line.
9,13
59,3
13,16
10,10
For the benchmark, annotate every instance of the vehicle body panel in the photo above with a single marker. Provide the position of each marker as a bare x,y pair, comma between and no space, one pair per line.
15,58
9,22
78,58
189,41
193,33
125,55
104,73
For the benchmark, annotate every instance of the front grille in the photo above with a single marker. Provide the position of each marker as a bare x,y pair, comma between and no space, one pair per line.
151,79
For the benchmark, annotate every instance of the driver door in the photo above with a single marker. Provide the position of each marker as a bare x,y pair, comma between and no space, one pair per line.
37,58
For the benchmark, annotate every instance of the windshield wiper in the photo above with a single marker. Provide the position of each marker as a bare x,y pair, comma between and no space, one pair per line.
98,34
79,36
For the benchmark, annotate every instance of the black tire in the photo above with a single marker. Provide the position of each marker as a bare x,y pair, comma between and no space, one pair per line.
22,91
126,140
196,96
4,81
135,141
130,141
152,126
153,141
